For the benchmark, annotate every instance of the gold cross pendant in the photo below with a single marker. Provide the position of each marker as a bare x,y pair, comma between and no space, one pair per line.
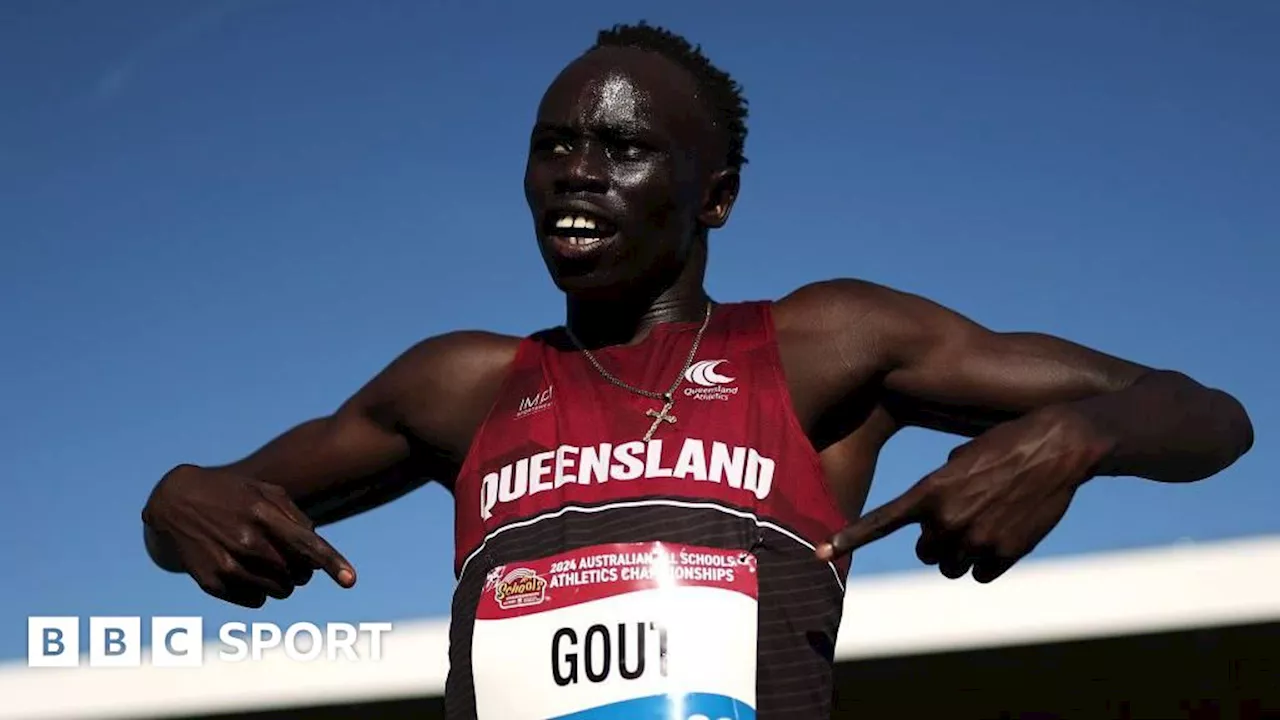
660,417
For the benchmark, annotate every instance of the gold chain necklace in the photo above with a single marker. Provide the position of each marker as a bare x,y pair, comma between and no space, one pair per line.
667,398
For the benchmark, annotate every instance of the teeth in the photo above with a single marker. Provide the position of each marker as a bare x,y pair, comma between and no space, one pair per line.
583,242
576,221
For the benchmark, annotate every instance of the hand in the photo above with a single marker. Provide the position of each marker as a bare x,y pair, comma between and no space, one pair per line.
240,540
997,497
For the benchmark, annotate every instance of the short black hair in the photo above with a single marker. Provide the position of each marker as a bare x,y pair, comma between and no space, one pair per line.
721,93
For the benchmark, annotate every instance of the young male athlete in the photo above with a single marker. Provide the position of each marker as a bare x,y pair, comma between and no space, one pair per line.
653,500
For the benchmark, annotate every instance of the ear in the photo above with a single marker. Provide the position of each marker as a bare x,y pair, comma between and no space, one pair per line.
717,203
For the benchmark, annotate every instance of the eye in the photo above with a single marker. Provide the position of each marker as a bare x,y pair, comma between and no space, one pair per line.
552,146
627,150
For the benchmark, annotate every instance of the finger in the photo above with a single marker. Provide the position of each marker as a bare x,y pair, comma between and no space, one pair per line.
955,563
317,551
265,554
301,576
271,587
258,553
297,567
928,547
270,575
253,574
280,498
292,531
884,520
234,584
989,569
245,594
244,597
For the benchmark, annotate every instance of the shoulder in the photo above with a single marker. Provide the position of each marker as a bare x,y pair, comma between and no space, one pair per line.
460,353
849,308
454,363
869,329
441,388
840,296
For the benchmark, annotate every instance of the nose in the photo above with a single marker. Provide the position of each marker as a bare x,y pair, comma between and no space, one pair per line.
583,170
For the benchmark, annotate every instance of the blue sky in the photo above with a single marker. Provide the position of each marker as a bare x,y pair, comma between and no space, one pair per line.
220,218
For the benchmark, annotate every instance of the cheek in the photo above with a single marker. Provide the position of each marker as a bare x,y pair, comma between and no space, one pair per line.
664,214
652,193
534,181
640,178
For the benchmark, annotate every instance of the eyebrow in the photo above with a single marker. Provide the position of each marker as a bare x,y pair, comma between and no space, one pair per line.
549,127
611,130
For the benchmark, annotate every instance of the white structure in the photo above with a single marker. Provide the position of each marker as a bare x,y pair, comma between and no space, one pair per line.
1166,590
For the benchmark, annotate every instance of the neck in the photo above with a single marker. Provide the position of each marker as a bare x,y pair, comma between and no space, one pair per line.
600,323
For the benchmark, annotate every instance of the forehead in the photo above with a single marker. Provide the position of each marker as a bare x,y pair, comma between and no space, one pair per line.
626,89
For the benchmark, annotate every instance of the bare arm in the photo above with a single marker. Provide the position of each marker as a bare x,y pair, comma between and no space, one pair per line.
943,371
1046,416
319,464
411,423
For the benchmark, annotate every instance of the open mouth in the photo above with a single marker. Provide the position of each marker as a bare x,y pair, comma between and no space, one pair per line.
578,232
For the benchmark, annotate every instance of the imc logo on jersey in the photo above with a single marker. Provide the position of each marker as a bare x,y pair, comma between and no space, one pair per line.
521,588
708,382
535,403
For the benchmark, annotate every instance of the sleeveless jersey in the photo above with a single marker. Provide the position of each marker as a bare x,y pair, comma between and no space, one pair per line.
560,464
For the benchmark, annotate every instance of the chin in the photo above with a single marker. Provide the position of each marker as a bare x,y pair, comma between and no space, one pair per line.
585,278
591,286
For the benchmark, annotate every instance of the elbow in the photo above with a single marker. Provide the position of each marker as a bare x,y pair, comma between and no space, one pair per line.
1223,430
1229,431
1240,426
1219,409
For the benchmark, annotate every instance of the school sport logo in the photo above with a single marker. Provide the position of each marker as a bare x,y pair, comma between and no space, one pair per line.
521,588
708,382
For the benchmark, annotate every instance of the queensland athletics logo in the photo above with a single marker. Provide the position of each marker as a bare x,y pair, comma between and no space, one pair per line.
520,588
709,382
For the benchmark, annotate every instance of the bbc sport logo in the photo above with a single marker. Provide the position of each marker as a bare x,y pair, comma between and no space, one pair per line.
180,641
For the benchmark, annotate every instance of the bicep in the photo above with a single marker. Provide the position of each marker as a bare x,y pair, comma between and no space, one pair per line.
369,462
950,373
365,452
414,422
317,461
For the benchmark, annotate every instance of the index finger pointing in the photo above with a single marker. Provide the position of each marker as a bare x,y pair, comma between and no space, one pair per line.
874,525
320,553
329,559
304,540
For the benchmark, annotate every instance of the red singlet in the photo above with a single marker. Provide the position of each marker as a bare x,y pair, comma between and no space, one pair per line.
560,503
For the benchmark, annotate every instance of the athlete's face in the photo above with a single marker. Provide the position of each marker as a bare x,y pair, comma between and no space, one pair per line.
621,162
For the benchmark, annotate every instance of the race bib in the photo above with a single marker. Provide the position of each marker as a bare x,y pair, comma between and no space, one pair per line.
634,631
